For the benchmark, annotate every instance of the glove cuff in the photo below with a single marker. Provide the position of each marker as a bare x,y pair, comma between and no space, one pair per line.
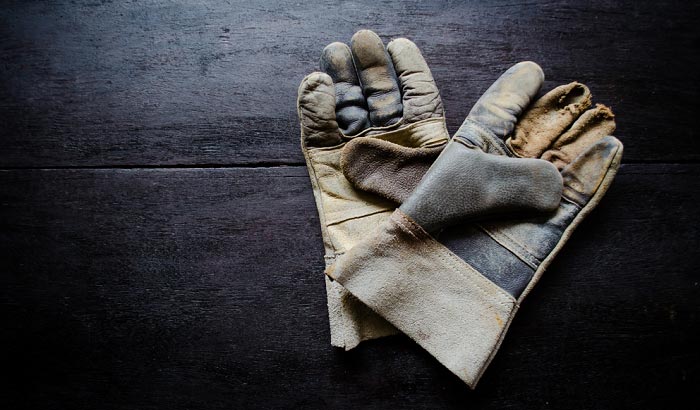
351,321
430,294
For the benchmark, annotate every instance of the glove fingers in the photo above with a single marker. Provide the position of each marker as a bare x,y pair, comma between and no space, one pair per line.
350,104
377,78
587,173
501,105
421,98
316,107
548,118
592,126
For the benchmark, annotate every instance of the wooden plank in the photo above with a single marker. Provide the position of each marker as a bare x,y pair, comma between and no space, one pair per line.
182,288
88,83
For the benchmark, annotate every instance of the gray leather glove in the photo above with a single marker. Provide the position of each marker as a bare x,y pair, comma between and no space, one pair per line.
456,296
371,93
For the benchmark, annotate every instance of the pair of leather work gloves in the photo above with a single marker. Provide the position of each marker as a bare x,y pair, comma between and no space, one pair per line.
436,237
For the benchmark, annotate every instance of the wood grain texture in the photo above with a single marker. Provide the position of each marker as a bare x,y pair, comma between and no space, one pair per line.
159,241
102,83
202,288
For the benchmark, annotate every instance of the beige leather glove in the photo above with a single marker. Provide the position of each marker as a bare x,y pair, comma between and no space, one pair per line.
366,91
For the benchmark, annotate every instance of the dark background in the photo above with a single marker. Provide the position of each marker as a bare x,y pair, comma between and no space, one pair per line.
160,243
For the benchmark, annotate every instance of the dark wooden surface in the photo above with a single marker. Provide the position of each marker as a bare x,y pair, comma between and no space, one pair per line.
160,244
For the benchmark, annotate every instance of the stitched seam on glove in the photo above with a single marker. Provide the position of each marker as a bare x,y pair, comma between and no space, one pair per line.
362,213
457,264
493,140
513,246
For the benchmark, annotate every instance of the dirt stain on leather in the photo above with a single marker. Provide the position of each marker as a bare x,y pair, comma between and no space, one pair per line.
499,321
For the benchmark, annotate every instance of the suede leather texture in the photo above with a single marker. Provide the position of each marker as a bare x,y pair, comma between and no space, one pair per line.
441,300
561,128
477,175
366,92
467,184
370,163
435,298
511,252
558,127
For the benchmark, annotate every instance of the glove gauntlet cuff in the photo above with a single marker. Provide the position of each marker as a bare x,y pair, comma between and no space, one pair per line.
446,306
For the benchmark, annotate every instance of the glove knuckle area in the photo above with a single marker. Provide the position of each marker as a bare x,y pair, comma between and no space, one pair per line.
385,107
428,133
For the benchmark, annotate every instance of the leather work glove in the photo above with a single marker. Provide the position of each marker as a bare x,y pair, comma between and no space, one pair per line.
456,295
374,95
366,91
